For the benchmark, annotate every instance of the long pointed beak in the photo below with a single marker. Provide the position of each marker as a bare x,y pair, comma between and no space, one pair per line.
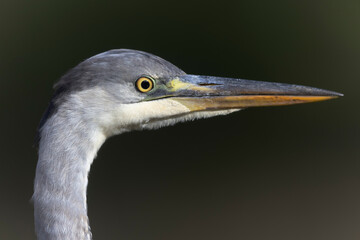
218,93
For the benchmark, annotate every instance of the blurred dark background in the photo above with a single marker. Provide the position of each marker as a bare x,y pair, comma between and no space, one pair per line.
264,173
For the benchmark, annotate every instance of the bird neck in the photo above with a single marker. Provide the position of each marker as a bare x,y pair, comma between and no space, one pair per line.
67,148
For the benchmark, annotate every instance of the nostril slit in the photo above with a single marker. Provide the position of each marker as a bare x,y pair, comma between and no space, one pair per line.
209,84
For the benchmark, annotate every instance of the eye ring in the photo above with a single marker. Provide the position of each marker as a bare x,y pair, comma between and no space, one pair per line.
144,84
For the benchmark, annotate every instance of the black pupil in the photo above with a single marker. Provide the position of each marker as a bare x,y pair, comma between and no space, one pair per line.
145,84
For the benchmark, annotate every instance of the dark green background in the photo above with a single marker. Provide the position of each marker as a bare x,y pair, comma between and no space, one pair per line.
265,173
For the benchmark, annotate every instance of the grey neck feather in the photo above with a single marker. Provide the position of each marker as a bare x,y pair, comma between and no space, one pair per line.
67,148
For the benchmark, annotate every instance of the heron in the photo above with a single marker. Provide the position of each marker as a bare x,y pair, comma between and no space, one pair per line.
119,91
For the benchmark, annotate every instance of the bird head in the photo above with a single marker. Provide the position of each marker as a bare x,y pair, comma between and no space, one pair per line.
122,90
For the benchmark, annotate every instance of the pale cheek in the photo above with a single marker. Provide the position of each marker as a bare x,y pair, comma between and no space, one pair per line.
127,117
146,111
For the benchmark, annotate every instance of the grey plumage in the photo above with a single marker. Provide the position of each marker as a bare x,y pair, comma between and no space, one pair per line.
84,111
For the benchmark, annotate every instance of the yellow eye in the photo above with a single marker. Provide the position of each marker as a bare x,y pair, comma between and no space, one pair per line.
144,84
